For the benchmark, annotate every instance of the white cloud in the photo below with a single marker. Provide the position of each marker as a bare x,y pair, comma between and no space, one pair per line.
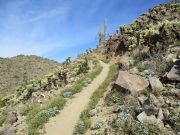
24,32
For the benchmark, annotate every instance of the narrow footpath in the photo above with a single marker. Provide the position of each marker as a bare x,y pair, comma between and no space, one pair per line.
64,123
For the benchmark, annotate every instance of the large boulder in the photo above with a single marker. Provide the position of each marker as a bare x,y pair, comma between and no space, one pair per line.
156,85
130,83
174,74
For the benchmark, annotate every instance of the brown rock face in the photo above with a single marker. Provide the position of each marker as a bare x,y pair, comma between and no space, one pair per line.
130,83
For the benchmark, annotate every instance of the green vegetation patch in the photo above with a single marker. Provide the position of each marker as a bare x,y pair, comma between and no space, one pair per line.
38,115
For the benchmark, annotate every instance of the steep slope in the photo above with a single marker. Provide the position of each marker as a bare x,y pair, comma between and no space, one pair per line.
21,69
156,30
144,99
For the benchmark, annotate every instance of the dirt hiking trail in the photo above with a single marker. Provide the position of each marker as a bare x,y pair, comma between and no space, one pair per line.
64,123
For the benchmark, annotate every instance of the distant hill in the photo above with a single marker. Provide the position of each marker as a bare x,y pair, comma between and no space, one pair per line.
20,69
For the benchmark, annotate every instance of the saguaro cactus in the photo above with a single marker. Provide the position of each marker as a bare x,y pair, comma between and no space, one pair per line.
100,36
105,29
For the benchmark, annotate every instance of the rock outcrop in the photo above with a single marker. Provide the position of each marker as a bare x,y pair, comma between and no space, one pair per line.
130,83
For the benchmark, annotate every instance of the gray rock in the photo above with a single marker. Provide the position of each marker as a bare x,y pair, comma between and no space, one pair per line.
141,99
147,72
130,83
151,105
153,100
166,114
142,117
156,85
160,114
174,74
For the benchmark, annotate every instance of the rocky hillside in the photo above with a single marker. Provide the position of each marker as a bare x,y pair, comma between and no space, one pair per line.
145,97
21,69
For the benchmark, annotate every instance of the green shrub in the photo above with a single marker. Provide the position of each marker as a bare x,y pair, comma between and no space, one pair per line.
115,96
57,102
27,109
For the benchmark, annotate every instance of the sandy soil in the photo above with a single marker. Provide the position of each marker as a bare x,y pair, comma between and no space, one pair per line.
65,121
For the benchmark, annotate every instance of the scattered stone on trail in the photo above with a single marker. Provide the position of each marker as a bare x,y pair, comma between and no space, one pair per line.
130,83
156,85
174,74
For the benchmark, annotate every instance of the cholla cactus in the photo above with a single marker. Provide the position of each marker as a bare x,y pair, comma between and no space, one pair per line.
83,66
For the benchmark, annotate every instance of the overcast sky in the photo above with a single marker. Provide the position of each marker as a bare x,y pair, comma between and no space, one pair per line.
56,29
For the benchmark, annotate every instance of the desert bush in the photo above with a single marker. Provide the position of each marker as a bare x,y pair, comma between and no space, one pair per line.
115,96
83,66
27,109
175,120
141,54
57,102
142,66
